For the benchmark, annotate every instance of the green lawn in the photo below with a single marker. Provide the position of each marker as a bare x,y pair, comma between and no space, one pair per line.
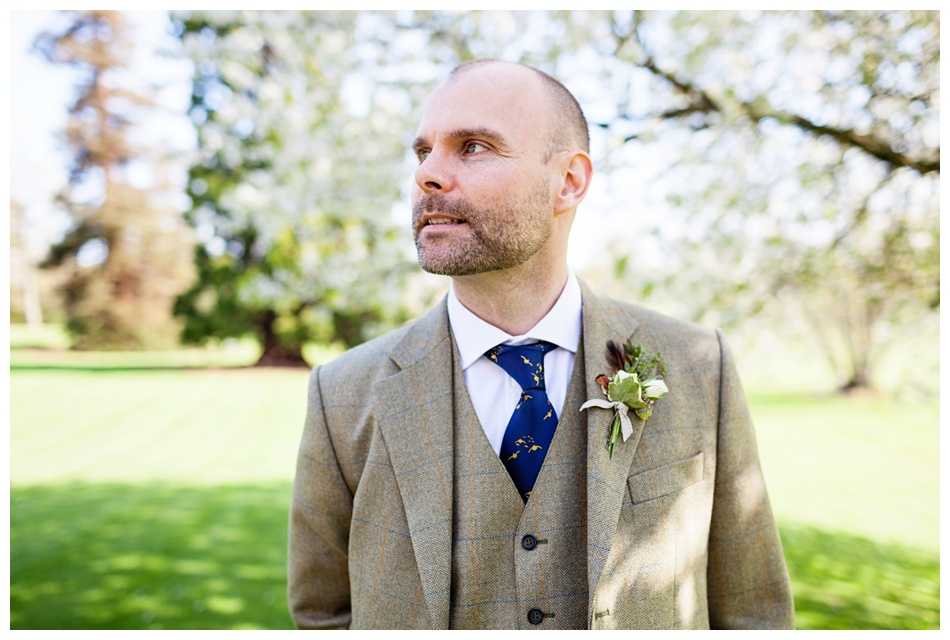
149,555
861,466
149,492
204,426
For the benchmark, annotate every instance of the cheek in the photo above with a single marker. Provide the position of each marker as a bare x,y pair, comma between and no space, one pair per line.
490,184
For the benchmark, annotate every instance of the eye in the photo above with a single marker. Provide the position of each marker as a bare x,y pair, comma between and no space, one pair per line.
422,154
475,147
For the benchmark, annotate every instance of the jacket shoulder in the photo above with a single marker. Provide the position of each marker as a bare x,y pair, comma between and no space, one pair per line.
364,361
357,369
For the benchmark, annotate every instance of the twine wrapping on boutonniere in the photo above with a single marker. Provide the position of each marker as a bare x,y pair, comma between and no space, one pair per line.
635,383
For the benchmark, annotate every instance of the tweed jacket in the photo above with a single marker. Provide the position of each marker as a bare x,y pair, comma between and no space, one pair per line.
679,529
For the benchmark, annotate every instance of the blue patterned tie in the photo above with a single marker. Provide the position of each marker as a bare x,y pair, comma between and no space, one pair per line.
533,421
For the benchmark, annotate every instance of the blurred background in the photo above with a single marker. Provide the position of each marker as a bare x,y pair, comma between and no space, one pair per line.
205,204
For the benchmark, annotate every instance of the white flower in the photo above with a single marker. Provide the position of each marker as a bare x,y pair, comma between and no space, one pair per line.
653,389
623,375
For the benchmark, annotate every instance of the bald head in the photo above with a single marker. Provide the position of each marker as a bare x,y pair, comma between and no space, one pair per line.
502,168
566,122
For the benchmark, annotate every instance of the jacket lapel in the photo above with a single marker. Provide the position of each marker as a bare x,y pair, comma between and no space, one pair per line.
603,320
416,422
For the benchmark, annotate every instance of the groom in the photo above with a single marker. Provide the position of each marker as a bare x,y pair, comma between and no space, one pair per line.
447,477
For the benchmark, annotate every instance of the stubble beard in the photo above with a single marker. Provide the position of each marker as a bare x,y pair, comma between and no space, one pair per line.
500,236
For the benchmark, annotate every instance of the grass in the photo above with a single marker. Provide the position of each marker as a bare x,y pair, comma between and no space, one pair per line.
843,581
149,492
166,556
191,426
864,466
149,556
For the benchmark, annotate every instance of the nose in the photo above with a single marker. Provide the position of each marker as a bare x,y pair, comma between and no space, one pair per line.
433,175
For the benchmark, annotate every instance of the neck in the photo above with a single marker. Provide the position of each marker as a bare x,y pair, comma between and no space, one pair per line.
512,300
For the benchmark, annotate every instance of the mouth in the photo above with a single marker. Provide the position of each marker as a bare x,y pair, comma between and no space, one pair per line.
440,216
438,220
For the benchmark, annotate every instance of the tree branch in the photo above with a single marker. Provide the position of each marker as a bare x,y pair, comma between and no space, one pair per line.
700,101
851,138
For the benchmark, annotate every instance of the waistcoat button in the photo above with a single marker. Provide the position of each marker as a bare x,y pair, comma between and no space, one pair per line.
535,616
529,542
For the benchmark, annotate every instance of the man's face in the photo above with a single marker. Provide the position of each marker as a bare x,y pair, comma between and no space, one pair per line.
483,200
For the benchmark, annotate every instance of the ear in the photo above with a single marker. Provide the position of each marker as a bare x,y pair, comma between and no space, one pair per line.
576,173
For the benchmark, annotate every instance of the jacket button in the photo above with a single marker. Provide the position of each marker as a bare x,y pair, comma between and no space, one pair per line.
535,616
529,542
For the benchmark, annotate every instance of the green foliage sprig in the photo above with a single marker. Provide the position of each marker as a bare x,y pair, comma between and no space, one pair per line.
632,358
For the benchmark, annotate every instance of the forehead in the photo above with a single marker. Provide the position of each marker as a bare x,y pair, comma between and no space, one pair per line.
504,98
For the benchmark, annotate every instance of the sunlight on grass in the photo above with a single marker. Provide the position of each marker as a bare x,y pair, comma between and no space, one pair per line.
150,492
160,556
195,426
861,466
149,557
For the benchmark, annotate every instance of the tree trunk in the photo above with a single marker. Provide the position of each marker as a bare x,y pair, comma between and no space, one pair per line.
32,305
282,356
275,353
864,318
860,381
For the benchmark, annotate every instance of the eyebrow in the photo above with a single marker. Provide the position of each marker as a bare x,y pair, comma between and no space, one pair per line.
483,133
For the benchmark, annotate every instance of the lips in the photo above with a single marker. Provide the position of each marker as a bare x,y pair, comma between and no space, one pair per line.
430,220
435,211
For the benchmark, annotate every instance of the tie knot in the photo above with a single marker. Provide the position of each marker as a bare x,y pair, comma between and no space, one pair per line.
524,363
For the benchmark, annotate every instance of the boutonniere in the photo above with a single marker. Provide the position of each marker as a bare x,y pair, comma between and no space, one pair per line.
635,383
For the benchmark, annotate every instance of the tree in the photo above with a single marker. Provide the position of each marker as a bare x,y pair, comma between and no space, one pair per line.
301,155
25,300
807,162
123,252
796,155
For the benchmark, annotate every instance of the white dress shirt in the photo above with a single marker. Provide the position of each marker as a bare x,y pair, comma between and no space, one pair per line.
493,392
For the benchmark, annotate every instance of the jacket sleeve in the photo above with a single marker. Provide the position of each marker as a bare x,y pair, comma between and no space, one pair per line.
319,530
747,580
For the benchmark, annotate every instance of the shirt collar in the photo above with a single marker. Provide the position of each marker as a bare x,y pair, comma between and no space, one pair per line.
561,326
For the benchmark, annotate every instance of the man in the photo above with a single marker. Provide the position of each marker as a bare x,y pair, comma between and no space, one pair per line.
410,509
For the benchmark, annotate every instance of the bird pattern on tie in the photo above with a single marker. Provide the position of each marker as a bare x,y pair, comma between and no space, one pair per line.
533,421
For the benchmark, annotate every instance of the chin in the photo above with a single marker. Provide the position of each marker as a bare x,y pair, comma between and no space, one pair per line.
460,267
442,269
444,266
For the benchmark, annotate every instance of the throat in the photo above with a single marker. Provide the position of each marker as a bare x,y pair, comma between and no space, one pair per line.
513,305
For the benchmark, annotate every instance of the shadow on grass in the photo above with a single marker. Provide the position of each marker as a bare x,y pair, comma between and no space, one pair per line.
148,557
846,582
174,557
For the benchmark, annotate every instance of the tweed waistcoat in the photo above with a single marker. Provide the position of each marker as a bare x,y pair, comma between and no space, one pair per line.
495,579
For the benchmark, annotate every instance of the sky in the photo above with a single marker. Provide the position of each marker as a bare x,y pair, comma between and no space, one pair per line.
40,95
